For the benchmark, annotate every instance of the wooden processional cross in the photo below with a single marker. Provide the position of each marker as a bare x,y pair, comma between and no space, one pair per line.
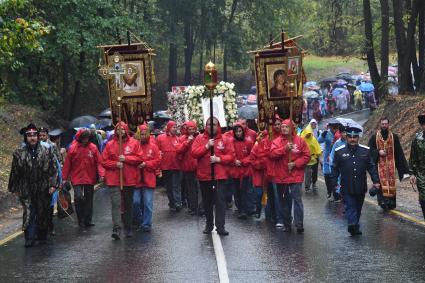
116,71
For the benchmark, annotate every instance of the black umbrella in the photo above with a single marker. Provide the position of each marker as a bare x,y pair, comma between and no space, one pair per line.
248,112
105,113
326,81
103,123
82,121
55,132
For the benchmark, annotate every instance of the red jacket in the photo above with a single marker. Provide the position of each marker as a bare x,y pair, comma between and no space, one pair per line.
259,156
110,155
83,164
168,145
184,151
242,151
223,148
300,156
250,135
151,156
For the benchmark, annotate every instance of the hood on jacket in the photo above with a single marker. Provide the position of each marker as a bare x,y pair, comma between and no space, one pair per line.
170,124
122,125
235,127
140,129
191,124
218,134
290,124
81,134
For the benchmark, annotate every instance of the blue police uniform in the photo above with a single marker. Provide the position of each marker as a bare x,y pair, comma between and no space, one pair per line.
351,163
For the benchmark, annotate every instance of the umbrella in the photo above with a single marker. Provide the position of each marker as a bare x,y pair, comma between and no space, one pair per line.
311,94
253,90
345,76
161,114
103,123
105,113
367,87
333,121
338,91
82,121
328,80
248,112
55,132
341,82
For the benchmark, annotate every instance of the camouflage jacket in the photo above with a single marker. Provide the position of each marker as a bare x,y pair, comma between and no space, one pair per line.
30,175
417,162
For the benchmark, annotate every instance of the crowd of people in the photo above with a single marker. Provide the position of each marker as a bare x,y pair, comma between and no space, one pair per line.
209,172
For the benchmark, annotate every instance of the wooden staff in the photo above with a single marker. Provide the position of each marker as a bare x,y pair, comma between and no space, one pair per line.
291,127
120,141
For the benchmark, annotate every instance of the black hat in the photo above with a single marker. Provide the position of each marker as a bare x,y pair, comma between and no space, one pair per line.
421,118
31,128
43,129
353,131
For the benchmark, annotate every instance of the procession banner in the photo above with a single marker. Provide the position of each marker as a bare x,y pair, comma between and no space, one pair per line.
136,87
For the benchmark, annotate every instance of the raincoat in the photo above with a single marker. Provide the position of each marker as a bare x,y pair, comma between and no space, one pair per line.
110,157
314,147
151,156
223,148
184,151
168,144
243,149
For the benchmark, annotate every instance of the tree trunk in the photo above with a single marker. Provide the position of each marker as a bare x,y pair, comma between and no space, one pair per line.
385,25
370,52
188,52
201,61
77,86
405,81
225,64
421,39
65,82
172,62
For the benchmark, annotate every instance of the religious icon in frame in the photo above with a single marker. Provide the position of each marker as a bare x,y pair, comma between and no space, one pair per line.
134,83
276,80
293,66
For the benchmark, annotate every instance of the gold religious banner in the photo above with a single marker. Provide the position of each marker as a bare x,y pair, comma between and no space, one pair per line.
279,80
129,70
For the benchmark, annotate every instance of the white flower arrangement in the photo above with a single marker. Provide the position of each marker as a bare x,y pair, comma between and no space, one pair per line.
193,99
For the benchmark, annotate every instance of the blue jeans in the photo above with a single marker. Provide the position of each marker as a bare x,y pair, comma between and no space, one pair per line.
145,194
172,181
273,208
353,208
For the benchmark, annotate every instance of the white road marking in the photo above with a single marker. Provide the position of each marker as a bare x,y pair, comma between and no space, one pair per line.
220,258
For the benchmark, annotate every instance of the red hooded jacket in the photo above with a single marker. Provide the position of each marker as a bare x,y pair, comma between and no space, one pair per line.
83,163
223,148
168,145
266,145
300,156
110,155
151,156
250,135
242,153
259,156
184,150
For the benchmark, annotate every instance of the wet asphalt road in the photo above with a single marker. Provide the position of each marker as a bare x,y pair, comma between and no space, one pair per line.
390,249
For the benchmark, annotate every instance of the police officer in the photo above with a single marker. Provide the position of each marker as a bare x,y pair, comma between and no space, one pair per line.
351,161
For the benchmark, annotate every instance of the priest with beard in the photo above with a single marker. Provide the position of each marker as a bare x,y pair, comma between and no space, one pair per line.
388,154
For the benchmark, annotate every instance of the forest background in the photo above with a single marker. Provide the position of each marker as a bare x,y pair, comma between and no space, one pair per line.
49,59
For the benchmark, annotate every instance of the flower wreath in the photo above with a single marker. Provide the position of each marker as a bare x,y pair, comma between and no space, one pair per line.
194,94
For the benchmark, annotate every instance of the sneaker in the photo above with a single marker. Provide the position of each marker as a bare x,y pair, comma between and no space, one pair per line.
329,195
116,233
222,232
242,216
279,225
208,229
146,228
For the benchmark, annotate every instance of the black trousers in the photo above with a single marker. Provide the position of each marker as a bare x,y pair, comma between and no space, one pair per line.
329,187
214,198
315,170
83,197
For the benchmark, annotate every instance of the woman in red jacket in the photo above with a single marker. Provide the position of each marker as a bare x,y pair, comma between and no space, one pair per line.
240,172
292,154
128,160
258,157
188,166
168,144
213,190
151,160
82,168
